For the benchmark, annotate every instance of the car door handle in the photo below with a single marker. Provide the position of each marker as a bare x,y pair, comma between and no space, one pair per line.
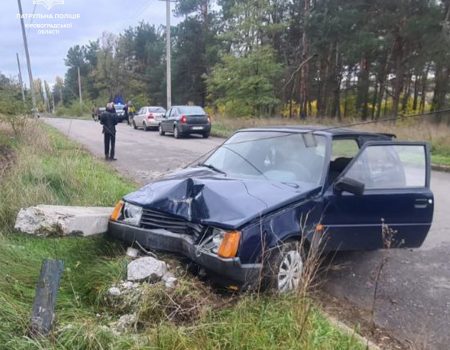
422,203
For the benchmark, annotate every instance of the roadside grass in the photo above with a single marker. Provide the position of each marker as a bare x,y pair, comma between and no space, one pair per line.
436,134
50,169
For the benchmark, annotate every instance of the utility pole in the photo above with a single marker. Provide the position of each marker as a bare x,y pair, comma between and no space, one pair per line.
27,54
20,78
79,87
168,59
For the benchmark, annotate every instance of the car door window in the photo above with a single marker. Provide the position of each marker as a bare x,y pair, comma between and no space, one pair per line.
344,148
390,166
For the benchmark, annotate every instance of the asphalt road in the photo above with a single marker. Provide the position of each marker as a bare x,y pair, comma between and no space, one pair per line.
414,289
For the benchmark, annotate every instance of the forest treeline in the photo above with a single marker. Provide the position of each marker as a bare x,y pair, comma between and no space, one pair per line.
327,58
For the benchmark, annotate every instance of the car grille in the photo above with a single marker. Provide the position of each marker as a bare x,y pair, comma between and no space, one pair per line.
155,219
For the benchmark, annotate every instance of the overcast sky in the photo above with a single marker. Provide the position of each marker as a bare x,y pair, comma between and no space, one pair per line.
48,51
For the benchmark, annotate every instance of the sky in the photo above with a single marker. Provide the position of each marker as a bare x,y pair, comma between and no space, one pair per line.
88,19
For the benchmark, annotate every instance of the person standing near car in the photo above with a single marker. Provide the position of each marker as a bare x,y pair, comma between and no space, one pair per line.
125,113
109,121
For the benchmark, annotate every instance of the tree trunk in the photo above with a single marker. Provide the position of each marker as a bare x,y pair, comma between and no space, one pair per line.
406,92
363,89
399,71
347,88
374,99
440,90
416,91
337,77
423,91
304,76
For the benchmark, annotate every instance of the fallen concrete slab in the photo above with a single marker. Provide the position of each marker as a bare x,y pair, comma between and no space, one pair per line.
51,220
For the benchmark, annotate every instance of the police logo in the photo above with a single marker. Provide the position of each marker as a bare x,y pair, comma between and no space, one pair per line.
48,4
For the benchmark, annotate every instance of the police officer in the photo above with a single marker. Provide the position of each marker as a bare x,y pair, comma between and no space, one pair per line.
109,121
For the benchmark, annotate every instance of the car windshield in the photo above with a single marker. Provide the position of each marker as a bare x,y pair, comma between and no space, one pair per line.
191,110
119,107
276,156
157,110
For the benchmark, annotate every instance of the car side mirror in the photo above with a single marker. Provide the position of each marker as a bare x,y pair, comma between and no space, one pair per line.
349,185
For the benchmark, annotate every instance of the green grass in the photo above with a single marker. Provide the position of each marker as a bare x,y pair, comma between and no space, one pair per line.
50,169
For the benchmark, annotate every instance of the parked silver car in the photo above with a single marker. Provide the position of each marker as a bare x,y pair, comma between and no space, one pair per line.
148,117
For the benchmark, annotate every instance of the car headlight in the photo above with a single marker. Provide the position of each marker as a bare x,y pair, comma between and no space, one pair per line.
217,238
132,214
225,243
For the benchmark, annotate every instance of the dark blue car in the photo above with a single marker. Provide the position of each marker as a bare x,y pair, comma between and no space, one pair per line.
241,212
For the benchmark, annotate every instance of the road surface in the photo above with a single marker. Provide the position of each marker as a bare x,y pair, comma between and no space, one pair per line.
414,289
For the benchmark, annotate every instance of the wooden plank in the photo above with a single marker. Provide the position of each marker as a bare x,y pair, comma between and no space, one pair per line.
45,299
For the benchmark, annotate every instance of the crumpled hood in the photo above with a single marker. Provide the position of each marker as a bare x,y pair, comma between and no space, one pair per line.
203,196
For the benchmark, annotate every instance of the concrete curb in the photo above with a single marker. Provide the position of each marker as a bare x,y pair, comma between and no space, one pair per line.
438,167
350,332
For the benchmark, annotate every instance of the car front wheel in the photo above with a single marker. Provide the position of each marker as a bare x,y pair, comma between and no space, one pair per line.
160,130
284,267
134,125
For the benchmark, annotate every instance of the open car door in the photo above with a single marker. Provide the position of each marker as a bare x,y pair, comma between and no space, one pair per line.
392,186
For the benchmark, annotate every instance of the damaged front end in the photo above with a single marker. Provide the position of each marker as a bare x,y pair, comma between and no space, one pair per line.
213,248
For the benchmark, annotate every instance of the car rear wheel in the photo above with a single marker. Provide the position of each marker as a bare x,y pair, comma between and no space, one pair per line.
160,130
145,127
205,135
283,268
134,125
176,132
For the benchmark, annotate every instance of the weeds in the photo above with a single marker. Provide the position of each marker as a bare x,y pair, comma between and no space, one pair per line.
387,236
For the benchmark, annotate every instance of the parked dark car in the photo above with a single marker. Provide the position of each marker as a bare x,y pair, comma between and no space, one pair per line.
120,111
240,213
185,120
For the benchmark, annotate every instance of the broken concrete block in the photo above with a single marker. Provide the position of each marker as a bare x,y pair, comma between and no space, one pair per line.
48,220
146,268
170,282
114,291
125,322
169,279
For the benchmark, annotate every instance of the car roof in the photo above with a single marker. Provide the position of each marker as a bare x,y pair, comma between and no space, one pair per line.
188,106
319,129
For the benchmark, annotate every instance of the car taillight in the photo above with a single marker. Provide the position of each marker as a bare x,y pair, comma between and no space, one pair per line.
183,119
209,119
150,116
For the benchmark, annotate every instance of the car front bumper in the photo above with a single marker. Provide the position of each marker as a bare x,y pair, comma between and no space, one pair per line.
225,271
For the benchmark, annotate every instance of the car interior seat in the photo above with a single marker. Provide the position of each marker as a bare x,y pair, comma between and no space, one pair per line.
337,166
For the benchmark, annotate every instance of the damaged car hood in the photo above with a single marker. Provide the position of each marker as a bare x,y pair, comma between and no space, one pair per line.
203,196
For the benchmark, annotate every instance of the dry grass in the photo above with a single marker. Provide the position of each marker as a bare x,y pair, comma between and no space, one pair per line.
409,129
